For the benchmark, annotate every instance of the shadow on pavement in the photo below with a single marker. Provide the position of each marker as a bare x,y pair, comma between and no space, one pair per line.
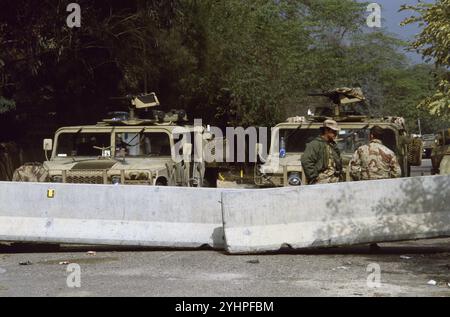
24,248
388,249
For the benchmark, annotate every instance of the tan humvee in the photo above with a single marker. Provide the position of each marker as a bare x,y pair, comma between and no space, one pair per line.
124,150
289,139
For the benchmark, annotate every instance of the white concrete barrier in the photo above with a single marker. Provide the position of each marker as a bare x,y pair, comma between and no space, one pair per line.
111,215
337,215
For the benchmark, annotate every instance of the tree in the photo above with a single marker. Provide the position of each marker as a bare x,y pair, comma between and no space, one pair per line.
234,62
73,72
434,43
257,60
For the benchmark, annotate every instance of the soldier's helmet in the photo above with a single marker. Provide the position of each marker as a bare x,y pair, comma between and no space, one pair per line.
331,124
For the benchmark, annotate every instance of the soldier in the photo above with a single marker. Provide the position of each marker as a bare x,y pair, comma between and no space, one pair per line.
321,162
31,173
374,161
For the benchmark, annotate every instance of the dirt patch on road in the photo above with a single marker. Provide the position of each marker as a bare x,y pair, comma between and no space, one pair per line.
80,261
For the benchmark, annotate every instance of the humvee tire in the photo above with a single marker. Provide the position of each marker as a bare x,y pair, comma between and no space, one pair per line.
415,152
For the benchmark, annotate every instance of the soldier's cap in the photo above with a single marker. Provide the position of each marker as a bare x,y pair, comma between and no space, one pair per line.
331,124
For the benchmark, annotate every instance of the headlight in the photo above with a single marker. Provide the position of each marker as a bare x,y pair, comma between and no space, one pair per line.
116,180
294,179
57,179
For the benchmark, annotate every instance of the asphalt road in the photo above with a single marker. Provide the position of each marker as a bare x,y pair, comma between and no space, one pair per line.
405,270
424,170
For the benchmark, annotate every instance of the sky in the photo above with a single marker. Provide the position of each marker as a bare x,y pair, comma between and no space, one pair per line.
392,19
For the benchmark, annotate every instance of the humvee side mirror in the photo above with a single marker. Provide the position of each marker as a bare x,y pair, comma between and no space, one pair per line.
48,145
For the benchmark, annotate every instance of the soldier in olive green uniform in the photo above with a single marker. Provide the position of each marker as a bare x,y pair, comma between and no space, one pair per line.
321,162
374,161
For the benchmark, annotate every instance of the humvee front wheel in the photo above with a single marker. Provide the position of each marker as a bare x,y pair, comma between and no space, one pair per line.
161,182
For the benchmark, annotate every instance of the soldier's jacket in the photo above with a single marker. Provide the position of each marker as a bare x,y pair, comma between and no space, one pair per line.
31,173
374,161
322,162
330,175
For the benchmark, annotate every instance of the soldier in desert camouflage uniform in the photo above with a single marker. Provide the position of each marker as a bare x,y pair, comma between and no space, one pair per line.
374,161
31,173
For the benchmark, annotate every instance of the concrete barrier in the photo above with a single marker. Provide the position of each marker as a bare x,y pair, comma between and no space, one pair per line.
337,215
111,215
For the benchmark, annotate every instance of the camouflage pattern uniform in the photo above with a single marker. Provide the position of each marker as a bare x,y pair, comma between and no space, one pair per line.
329,175
321,162
374,161
31,173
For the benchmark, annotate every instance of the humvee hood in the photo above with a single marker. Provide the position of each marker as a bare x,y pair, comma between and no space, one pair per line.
94,165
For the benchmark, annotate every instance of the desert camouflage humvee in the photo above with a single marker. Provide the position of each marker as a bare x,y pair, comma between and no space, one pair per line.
124,150
283,168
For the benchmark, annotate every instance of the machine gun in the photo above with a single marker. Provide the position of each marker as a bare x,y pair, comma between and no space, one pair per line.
340,97
145,102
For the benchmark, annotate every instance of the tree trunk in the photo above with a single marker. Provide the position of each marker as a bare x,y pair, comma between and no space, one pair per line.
10,160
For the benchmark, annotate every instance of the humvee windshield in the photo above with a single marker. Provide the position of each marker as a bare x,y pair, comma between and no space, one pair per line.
82,144
348,141
143,144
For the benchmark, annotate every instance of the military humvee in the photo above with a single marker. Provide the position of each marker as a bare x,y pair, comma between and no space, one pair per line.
440,156
126,150
289,139
429,141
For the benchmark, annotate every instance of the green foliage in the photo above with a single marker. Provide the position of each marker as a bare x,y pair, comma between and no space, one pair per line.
265,56
6,105
404,89
434,43
240,62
